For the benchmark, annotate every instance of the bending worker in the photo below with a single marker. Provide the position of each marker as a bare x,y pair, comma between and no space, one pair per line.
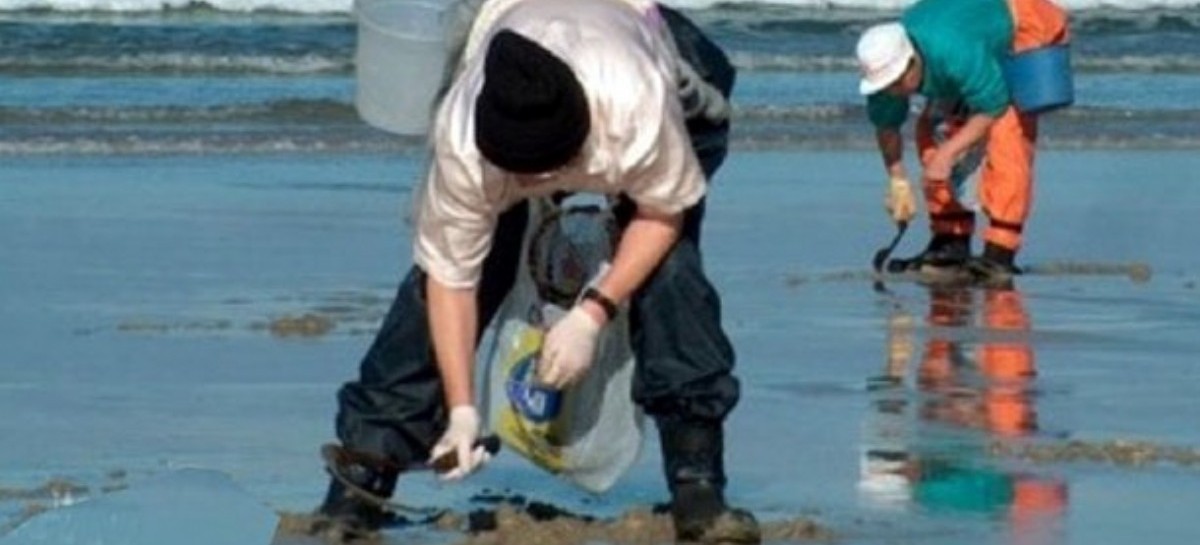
951,53
617,97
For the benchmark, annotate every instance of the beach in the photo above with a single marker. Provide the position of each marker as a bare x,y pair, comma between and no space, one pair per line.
140,295
199,237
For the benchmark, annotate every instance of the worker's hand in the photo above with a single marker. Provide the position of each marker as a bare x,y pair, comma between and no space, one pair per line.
569,349
939,166
460,438
899,202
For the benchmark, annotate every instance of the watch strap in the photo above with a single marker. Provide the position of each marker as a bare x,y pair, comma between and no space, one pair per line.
610,307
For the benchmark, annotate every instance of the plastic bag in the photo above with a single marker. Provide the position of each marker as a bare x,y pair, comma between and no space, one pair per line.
591,433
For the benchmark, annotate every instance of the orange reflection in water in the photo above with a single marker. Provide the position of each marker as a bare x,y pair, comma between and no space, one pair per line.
926,444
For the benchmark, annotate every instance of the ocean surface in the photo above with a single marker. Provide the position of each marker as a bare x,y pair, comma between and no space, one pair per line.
249,76
144,299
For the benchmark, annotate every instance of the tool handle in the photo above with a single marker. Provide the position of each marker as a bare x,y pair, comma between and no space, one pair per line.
449,460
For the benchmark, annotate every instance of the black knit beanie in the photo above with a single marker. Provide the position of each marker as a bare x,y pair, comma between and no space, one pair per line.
531,115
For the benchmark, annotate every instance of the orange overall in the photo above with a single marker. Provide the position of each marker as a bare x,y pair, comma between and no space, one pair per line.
1006,186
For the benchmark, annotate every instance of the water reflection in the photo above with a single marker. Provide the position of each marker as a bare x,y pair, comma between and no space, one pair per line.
928,431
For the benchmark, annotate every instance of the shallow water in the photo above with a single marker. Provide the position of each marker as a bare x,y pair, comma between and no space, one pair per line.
138,294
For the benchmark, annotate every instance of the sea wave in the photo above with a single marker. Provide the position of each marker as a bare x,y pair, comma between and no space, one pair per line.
285,111
337,113
177,63
345,6
200,64
1082,62
324,143
759,38
332,126
135,6
1073,116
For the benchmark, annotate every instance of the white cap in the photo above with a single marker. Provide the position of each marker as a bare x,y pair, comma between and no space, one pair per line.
883,55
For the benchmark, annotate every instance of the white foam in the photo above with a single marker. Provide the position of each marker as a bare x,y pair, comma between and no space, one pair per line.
295,6
897,4
345,6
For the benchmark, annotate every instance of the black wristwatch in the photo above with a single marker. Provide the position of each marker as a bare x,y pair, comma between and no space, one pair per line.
609,306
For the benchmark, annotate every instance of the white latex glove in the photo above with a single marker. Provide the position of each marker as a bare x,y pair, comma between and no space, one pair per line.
899,202
460,438
568,350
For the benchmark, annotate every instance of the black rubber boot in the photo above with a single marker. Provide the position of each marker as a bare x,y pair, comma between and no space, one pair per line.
352,517
693,458
942,252
994,267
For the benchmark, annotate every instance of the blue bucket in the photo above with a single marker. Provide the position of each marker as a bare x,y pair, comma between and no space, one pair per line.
1040,80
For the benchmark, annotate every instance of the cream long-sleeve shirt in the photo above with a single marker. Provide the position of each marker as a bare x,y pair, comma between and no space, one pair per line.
625,60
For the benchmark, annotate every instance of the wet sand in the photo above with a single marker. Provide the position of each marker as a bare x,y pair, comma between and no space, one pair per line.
536,523
206,315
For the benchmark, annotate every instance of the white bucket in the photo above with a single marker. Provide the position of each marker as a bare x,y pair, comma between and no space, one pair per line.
399,59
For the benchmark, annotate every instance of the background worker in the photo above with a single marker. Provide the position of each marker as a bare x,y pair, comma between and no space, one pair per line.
951,52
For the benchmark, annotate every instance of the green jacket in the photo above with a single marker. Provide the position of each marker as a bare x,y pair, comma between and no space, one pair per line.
962,43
